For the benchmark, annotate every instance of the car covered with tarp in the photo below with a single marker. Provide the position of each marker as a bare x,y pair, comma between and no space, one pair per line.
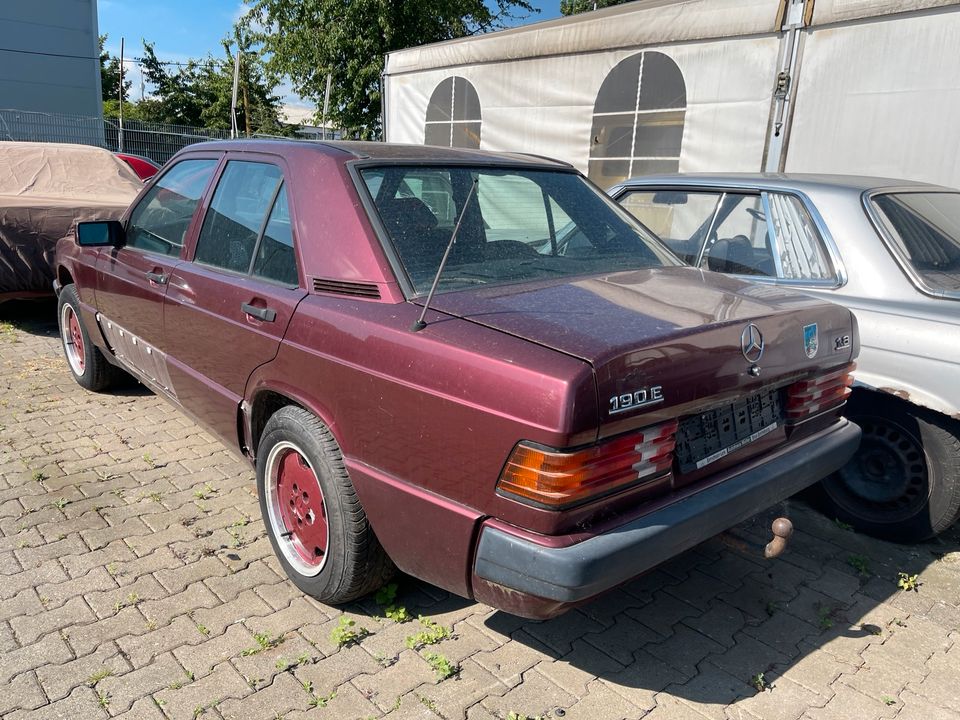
44,189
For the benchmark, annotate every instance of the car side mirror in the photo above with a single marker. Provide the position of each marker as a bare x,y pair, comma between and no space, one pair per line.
103,233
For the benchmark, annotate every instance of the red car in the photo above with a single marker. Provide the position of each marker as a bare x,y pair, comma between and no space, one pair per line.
473,367
144,167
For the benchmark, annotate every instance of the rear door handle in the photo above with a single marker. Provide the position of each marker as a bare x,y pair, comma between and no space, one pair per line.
265,314
158,278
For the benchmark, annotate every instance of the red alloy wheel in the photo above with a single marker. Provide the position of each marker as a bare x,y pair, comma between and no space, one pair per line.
72,339
300,517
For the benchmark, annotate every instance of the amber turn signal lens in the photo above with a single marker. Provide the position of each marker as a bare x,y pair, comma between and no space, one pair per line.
812,397
557,479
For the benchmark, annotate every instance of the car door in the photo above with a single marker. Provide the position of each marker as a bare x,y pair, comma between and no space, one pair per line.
228,305
132,279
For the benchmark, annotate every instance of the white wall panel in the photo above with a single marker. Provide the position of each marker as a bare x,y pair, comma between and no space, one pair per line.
881,98
545,105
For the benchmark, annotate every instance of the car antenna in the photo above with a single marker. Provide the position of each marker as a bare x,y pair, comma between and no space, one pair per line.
420,324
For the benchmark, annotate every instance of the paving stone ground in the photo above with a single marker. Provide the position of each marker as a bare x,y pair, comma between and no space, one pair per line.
136,582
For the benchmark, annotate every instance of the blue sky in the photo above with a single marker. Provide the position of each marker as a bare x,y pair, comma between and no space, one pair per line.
182,29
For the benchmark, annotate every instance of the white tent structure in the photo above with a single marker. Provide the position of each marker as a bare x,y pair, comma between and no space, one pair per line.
842,86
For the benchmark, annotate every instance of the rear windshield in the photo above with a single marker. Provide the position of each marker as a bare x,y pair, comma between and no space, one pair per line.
924,229
519,225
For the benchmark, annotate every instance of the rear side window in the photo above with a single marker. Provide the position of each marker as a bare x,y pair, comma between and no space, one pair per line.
160,220
236,216
924,230
802,253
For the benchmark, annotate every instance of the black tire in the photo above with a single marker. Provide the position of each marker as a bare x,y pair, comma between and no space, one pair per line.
87,364
353,563
903,484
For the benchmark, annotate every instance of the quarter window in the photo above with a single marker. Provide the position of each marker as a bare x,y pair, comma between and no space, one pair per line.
236,216
638,119
275,258
453,115
161,219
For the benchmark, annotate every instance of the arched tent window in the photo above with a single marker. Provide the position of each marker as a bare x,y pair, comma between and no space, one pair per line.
453,115
638,119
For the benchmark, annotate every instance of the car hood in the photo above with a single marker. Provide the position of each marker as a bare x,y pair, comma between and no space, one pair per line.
679,328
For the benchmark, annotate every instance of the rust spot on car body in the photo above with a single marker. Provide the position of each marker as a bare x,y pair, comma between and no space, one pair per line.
897,392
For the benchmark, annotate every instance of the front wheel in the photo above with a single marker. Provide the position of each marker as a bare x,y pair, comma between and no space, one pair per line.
87,364
903,484
315,522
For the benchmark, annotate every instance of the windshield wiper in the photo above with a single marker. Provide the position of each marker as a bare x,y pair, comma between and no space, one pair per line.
420,324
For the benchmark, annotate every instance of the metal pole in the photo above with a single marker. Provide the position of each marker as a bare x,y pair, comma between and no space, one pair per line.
326,109
120,93
234,131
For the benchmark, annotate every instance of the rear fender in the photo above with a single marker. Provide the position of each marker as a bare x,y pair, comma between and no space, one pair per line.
921,397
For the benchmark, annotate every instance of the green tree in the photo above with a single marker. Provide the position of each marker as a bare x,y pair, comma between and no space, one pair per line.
572,7
304,40
199,92
110,75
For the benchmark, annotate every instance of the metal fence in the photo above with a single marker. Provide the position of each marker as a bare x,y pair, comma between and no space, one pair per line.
157,141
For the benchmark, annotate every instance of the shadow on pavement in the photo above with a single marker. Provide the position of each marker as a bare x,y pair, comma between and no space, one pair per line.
720,622
37,317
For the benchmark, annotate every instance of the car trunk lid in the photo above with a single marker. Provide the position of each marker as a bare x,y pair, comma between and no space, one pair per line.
667,342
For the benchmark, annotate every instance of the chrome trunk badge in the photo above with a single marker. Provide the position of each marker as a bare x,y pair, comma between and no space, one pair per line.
751,343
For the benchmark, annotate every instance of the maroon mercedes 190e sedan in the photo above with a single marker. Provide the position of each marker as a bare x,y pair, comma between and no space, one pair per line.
472,367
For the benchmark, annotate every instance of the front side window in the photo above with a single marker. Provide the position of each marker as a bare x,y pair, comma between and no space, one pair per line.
760,234
729,229
232,225
519,225
161,219
924,231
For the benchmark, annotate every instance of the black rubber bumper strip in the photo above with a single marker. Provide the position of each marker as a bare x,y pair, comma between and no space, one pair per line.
578,572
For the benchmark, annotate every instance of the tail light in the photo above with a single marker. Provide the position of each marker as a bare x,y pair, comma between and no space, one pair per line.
812,397
556,479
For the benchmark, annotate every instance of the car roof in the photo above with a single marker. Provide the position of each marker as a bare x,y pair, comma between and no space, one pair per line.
790,181
388,152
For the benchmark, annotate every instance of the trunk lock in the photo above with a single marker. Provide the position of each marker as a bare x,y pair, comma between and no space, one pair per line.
782,530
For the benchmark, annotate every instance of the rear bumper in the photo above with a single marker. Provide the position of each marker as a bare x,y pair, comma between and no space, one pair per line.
564,575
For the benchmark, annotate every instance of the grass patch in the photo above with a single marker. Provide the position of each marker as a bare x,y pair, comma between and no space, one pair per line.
347,632
431,634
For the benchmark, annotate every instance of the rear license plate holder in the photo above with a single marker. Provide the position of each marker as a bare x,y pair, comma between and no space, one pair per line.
713,434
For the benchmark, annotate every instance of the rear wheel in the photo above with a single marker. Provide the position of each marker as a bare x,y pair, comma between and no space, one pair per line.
903,484
87,364
316,524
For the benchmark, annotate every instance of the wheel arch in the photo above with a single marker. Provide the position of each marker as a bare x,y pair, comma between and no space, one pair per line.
64,276
267,399
867,384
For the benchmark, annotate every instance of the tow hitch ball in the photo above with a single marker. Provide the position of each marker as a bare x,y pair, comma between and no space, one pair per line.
782,530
